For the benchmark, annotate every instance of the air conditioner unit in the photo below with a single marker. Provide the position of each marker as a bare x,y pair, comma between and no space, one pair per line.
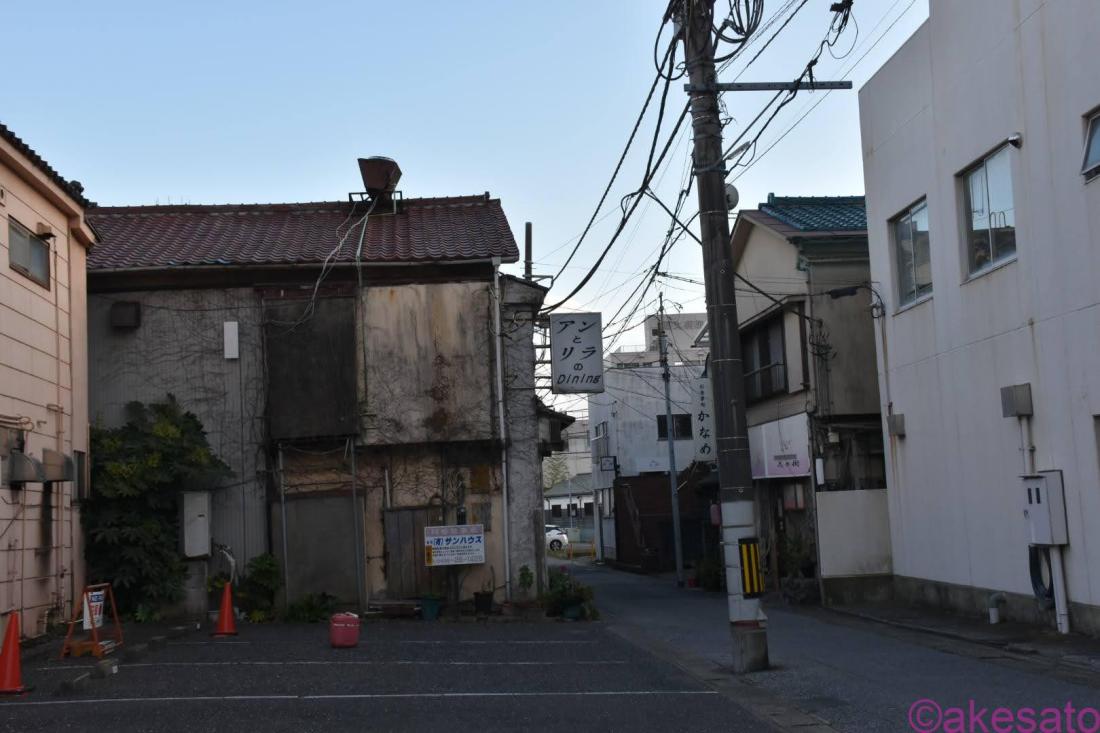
24,469
57,466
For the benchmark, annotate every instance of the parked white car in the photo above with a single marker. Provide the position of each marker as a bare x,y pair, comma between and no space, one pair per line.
556,538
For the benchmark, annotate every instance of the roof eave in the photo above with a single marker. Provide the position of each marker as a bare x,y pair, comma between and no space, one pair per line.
38,179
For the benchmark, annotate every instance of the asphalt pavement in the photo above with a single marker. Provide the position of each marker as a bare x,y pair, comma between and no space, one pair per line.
850,674
404,675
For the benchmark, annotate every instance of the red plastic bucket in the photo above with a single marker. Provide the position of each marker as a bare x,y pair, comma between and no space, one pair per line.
343,630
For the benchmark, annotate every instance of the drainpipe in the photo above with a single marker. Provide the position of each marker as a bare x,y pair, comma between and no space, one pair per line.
1057,568
356,515
497,337
282,502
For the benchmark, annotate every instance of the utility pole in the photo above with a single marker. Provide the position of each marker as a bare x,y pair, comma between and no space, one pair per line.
747,620
670,436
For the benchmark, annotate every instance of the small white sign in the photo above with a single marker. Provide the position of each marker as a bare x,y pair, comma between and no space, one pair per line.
457,544
576,345
93,609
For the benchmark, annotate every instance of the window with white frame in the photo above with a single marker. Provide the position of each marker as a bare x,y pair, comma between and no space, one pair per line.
28,254
990,212
911,252
1090,167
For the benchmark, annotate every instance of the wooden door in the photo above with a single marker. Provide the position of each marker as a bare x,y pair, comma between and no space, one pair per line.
406,574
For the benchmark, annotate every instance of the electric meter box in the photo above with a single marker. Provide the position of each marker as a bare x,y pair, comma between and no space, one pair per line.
1045,508
196,524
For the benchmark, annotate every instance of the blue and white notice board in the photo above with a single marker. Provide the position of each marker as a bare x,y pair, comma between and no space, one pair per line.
456,544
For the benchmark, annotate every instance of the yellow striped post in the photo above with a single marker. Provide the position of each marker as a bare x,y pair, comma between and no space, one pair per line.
752,578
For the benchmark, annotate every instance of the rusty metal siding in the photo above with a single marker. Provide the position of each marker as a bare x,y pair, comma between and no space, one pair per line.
310,366
428,354
179,349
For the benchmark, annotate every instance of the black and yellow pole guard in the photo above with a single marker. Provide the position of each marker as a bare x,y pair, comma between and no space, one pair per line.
752,579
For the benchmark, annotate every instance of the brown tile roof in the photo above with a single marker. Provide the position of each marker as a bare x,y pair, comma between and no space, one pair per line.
38,162
425,230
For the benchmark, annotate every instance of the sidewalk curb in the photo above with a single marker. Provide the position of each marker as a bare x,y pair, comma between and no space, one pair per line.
768,708
1022,651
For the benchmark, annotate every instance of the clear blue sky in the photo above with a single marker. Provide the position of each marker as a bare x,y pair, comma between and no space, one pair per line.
248,101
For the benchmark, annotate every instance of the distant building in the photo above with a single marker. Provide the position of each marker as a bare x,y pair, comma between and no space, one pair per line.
44,240
630,464
574,459
570,504
682,330
981,140
362,365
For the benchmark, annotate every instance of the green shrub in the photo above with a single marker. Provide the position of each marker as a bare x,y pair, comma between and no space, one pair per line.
258,588
564,591
131,520
311,609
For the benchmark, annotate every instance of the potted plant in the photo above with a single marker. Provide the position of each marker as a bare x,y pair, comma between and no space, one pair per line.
430,605
569,598
483,599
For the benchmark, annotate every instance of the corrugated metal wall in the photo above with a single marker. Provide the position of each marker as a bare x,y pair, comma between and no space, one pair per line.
179,349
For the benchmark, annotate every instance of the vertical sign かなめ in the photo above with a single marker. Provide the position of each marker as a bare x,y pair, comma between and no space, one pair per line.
703,417
576,344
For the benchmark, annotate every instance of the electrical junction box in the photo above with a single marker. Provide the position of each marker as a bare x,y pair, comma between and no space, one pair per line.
196,524
1045,509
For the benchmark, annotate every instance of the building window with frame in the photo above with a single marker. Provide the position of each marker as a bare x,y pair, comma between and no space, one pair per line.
911,251
681,427
601,429
764,359
28,254
1090,167
990,212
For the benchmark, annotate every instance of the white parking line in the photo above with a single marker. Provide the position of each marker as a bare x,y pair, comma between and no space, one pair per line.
479,641
205,643
361,696
369,662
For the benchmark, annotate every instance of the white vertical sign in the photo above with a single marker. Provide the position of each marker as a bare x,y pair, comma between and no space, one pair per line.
703,419
576,343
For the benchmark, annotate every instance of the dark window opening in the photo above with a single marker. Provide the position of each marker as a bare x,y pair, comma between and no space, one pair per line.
681,427
763,356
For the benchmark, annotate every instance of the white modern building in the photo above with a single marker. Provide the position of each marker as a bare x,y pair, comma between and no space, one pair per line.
682,330
981,144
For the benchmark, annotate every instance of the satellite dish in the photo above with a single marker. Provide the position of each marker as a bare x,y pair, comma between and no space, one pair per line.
732,197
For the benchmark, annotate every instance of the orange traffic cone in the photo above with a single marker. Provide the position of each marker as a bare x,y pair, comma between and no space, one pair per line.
11,675
227,624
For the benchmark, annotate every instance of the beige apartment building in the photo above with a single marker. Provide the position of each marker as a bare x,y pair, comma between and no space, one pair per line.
44,239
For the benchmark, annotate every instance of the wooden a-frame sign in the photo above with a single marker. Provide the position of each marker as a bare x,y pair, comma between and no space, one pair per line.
89,613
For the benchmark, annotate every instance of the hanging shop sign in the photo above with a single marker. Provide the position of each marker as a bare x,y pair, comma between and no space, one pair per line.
703,417
576,345
456,544
781,448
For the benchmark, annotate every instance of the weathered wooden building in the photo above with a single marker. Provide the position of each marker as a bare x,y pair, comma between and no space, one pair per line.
362,365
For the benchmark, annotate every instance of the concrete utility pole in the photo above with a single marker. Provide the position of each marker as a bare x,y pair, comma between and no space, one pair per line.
747,620
670,436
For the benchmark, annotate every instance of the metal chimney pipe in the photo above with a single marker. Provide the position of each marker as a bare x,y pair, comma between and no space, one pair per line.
528,251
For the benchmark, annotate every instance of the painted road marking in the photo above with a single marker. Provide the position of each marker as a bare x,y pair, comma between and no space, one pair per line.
205,643
377,662
360,696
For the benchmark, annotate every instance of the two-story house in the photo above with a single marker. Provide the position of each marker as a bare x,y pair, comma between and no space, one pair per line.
362,365
804,303
44,241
